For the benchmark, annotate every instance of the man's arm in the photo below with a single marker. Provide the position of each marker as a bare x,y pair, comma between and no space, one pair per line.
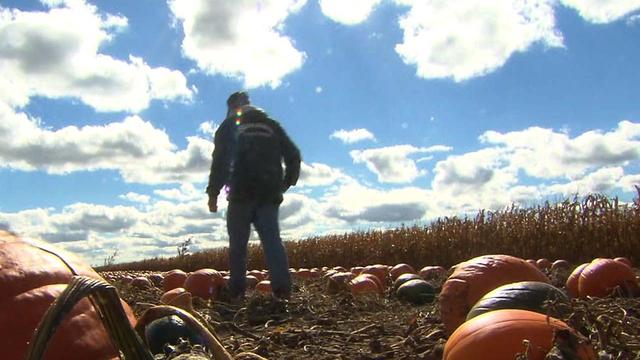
219,171
292,159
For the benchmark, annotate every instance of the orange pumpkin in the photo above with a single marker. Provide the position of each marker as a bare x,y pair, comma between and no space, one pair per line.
543,264
400,269
499,335
572,281
432,272
141,282
364,285
204,283
474,278
380,271
258,274
624,260
173,279
303,274
263,287
251,281
32,275
602,276
338,282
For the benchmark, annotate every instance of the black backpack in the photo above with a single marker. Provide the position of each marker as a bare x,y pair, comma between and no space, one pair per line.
256,169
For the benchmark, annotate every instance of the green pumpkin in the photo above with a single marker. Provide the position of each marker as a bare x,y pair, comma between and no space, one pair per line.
403,279
416,291
524,295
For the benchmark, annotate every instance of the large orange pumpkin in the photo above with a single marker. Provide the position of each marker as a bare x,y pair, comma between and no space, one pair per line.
32,275
602,276
204,283
572,281
173,279
499,335
474,278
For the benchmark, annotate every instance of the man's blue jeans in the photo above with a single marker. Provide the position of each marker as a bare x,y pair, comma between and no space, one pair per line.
264,217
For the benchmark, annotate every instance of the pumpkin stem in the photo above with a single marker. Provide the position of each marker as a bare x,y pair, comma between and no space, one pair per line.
107,303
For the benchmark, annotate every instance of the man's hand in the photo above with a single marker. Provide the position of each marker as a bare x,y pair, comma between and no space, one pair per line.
213,203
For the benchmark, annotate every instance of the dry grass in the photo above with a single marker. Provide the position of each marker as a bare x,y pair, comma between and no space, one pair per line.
578,230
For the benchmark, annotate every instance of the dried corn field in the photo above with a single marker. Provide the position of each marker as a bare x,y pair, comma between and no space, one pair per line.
575,229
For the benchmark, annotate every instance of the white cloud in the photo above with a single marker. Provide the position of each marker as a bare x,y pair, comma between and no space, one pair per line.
469,38
240,39
185,192
135,197
317,174
134,147
546,154
348,12
601,181
56,54
392,164
352,136
354,202
603,11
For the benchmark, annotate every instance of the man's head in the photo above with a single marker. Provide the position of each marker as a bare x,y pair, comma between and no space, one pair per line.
238,98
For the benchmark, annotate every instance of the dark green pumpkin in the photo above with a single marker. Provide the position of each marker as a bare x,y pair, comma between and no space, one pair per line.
524,295
403,279
416,291
169,330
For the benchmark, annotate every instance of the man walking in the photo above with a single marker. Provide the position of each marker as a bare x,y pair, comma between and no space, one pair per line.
247,158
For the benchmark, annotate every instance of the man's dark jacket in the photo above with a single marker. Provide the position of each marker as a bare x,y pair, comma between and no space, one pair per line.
224,173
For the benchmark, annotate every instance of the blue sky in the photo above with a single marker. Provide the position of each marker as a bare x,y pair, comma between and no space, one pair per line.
404,111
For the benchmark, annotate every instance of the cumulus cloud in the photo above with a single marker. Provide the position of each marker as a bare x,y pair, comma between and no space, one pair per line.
599,11
56,54
352,136
317,174
472,38
545,153
243,40
600,181
392,164
356,203
136,198
348,12
134,147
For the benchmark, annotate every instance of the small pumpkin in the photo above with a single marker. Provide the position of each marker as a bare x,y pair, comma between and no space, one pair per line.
560,265
400,269
204,283
524,295
141,282
251,281
500,335
472,279
173,279
380,271
416,291
364,285
543,264
32,275
403,279
338,282
263,287
432,272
